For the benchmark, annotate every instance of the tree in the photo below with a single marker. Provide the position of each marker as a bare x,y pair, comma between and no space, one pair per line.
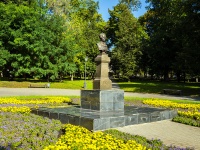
36,42
125,35
132,4
86,24
172,27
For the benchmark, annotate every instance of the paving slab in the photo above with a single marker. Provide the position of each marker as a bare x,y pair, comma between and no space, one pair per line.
171,133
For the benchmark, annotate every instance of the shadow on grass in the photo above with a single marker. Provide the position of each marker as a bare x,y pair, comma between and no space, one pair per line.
188,89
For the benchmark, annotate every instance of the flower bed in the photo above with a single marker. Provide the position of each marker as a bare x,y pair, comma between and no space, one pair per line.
150,144
27,131
23,105
21,130
80,138
45,100
15,109
188,117
189,114
170,104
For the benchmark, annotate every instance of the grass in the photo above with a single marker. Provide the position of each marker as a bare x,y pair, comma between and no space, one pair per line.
66,84
192,89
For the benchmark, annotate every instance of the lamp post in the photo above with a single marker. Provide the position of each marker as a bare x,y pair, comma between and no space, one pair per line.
85,84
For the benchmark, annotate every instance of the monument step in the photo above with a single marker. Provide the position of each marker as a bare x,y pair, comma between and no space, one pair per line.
101,120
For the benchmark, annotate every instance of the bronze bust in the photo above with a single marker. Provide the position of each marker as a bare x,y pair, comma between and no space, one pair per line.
102,44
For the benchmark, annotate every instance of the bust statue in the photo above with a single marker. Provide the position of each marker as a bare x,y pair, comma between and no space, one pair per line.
102,44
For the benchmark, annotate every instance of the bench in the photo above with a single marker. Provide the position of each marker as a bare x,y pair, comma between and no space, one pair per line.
39,86
172,91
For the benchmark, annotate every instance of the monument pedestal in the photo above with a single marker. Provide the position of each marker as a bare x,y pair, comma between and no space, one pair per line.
102,100
102,81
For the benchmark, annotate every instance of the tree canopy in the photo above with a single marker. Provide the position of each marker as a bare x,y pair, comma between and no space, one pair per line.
125,36
49,39
174,37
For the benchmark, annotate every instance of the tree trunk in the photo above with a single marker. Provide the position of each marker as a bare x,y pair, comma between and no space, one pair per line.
178,76
72,77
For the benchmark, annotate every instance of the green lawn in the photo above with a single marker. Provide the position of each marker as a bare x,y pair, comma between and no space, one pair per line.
66,84
192,89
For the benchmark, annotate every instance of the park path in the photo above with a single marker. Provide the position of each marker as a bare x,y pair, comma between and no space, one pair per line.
171,133
70,92
167,131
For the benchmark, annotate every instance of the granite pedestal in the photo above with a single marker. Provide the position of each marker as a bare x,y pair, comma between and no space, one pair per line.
102,100
100,120
102,81
104,109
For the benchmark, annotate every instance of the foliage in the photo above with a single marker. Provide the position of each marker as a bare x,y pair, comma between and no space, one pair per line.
48,39
36,42
80,138
19,131
132,4
125,36
171,26
87,24
84,24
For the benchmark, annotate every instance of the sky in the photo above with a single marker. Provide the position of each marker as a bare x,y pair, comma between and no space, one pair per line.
104,5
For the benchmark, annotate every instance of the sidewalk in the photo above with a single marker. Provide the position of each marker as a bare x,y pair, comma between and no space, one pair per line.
38,91
171,133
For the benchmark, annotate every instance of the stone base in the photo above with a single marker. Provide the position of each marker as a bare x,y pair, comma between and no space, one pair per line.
102,81
98,120
102,100
103,84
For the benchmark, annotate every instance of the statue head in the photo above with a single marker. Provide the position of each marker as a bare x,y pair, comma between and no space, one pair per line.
102,37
